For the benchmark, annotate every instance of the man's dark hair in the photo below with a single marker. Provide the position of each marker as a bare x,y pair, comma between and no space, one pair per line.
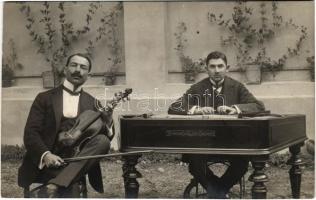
216,55
81,55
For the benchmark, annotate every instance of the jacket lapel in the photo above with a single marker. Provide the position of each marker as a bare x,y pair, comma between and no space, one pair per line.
228,91
84,102
57,99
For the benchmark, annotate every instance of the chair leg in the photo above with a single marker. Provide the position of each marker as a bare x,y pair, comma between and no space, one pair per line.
196,189
242,187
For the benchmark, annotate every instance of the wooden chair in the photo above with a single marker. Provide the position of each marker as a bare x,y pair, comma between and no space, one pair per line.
194,190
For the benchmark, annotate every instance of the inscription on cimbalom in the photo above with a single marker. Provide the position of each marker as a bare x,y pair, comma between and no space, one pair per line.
191,133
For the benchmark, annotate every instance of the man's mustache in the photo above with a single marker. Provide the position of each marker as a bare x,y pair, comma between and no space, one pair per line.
76,75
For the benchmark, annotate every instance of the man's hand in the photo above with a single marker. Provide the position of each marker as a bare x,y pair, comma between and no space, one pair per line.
226,110
204,111
52,160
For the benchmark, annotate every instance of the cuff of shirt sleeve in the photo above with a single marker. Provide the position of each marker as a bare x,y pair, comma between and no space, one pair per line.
191,111
238,110
41,164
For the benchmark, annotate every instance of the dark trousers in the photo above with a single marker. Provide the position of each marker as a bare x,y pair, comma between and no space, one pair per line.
71,173
216,186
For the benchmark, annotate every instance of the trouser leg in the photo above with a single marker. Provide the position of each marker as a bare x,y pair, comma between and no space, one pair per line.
199,169
99,144
237,169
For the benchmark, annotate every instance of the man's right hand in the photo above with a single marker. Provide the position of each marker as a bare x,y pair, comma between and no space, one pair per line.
52,160
204,111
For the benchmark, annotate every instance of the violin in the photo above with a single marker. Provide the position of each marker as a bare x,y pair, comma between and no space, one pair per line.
90,123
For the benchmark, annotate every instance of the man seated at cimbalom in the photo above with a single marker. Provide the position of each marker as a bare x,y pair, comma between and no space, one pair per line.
217,94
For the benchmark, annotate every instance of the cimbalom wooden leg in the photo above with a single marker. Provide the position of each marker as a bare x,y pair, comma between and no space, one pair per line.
258,177
295,172
130,175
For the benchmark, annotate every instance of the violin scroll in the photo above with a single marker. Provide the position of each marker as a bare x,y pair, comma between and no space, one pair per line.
120,96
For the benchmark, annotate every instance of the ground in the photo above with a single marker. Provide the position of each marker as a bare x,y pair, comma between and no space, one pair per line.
165,179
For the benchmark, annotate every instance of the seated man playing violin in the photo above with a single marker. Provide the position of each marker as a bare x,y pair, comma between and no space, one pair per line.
54,112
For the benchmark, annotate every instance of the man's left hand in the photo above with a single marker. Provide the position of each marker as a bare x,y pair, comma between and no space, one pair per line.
226,110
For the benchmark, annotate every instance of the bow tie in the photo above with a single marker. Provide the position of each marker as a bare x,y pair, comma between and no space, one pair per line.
71,92
218,85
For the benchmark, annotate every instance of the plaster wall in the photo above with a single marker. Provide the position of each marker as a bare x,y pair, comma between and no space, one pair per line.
14,23
148,49
204,37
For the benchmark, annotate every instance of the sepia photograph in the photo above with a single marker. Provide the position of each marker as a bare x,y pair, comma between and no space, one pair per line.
158,99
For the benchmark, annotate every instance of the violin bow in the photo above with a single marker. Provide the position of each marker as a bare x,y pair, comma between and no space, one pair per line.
76,159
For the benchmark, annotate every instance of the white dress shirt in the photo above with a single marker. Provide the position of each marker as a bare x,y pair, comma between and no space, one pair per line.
70,102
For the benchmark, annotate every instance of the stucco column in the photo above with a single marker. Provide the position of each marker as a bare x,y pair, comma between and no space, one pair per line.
145,45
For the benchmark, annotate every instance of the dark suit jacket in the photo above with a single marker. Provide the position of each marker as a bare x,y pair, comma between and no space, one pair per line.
40,134
234,93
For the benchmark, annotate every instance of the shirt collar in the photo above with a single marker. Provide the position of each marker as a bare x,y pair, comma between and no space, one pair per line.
220,83
70,86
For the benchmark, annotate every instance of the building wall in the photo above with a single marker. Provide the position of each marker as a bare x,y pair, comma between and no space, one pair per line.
27,51
148,58
204,37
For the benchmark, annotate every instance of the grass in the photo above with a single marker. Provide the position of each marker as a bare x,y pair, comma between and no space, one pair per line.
164,176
